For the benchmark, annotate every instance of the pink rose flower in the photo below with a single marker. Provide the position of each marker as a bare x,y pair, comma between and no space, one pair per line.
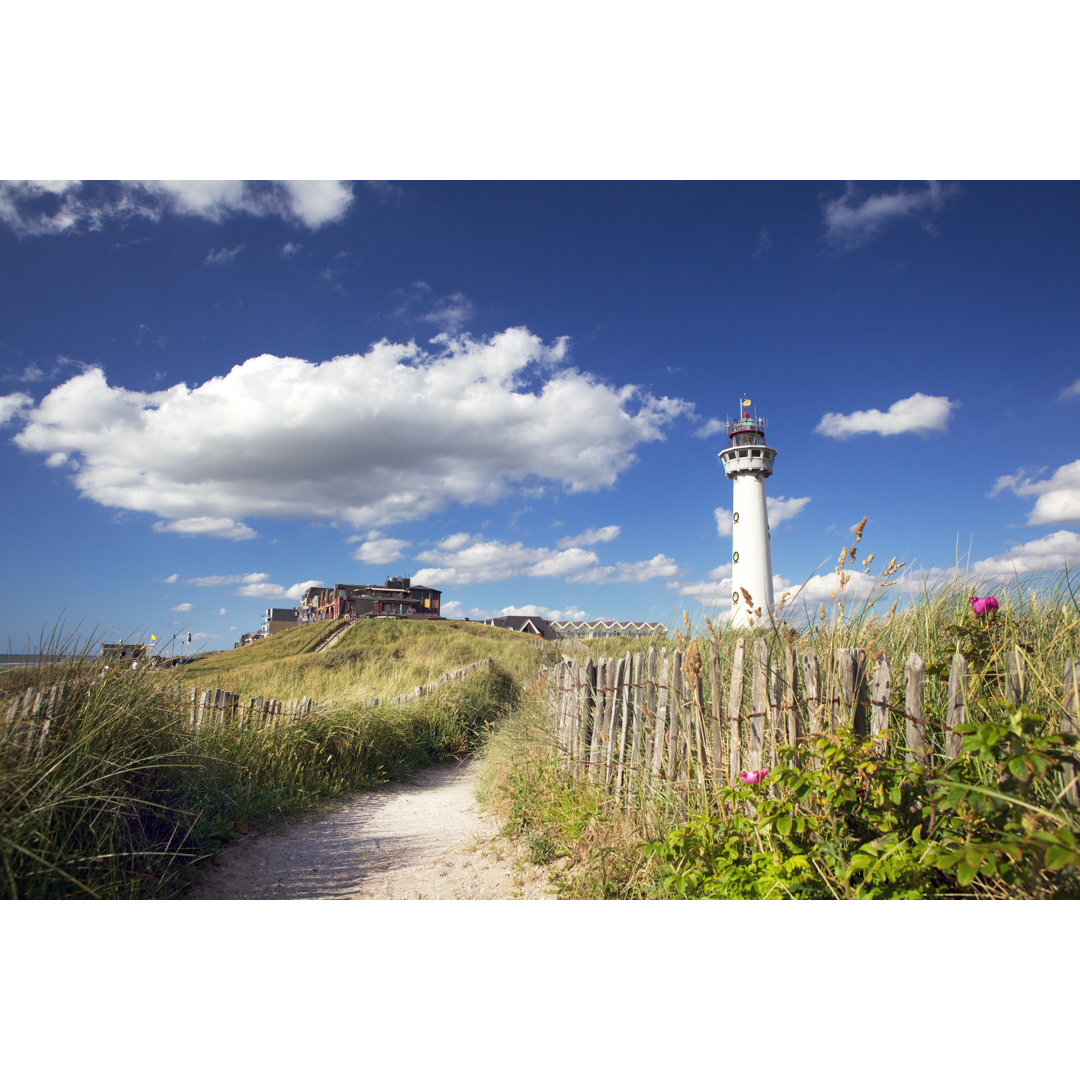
983,605
753,776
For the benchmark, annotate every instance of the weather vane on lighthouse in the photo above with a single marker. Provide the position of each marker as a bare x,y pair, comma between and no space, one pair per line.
747,462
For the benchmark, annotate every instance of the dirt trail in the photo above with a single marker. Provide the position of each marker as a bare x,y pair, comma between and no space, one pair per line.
423,838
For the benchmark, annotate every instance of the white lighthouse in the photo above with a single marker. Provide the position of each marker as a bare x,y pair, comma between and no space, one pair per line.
747,462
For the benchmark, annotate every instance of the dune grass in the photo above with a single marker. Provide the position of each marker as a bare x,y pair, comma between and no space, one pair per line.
375,658
840,819
123,799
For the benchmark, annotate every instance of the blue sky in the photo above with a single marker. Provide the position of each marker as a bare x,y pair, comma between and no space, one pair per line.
215,394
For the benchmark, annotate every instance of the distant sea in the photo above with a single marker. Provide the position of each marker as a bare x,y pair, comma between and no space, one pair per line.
24,659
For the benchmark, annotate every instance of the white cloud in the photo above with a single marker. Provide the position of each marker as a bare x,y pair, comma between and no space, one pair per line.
317,202
710,428
1058,497
474,560
222,611
183,607
269,591
551,614
37,208
590,536
624,573
783,508
396,434
217,580
919,414
1048,554
450,313
851,222
224,528
171,579
380,549
223,255
1070,392
780,508
13,406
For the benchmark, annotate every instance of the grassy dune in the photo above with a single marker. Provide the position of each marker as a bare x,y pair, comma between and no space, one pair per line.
375,658
122,798
842,818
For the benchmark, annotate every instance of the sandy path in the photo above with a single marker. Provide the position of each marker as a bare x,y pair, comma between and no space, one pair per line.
419,839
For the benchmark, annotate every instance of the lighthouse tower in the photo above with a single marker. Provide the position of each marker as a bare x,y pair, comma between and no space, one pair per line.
747,462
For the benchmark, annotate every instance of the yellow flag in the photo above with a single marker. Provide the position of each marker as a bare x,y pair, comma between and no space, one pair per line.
746,401
153,637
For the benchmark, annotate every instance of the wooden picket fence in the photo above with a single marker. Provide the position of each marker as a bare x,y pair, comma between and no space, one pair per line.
28,717
643,721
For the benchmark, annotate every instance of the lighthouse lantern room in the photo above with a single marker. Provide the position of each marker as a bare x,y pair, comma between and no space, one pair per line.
747,462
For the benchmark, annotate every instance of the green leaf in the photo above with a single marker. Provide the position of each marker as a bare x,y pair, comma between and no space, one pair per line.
783,825
965,873
1057,857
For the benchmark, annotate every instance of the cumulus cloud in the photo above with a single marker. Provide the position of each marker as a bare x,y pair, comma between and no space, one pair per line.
183,607
627,573
217,580
919,414
269,591
551,614
852,221
221,527
450,313
472,560
379,549
590,536
780,508
710,428
1048,554
40,208
13,406
1070,392
1058,497
392,435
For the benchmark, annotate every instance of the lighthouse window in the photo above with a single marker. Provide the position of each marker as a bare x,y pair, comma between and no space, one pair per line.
743,453
735,557
735,517
755,453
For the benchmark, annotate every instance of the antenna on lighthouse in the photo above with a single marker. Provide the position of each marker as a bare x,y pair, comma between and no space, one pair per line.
747,462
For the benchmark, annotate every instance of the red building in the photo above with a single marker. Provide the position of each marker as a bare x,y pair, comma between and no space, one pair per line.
398,598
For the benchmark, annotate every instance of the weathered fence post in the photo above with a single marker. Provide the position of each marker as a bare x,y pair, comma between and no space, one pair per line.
1070,723
879,704
776,736
957,709
851,681
735,694
624,696
1016,681
674,749
597,721
791,669
915,717
757,703
650,713
635,726
717,715
662,693
812,682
